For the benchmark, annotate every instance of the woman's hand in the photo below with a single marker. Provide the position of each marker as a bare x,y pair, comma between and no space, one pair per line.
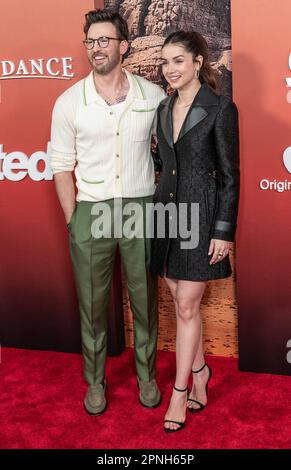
219,249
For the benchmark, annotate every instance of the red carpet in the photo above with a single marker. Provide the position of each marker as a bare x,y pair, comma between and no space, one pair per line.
42,394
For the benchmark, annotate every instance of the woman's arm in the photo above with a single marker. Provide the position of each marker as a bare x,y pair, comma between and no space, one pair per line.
227,146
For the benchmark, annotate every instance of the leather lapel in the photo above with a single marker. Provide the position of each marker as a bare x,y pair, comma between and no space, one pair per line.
199,109
194,116
166,119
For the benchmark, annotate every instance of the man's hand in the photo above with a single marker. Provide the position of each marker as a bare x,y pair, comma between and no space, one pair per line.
66,193
157,177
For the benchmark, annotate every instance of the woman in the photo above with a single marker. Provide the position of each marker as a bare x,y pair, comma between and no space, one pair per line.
199,156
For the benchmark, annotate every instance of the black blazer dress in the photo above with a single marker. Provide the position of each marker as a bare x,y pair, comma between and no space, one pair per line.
201,167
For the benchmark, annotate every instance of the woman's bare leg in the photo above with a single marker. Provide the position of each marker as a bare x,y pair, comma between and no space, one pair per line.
187,296
198,391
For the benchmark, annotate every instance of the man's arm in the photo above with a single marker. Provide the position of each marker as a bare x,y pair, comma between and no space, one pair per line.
65,188
63,154
155,150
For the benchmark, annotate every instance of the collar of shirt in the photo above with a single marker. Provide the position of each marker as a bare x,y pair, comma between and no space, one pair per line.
91,95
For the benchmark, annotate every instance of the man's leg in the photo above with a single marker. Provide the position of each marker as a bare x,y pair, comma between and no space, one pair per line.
142,289
93,261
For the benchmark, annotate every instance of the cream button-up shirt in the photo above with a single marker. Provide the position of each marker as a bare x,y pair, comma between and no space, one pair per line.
111,155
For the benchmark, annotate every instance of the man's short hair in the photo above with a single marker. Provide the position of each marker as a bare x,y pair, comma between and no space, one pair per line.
107,16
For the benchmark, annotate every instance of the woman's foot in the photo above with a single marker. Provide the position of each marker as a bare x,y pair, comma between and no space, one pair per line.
176,413
198,396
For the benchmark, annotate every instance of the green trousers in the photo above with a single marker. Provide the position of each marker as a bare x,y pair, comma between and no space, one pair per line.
93,261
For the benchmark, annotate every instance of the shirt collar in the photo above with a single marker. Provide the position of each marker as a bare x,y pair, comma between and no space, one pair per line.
90,94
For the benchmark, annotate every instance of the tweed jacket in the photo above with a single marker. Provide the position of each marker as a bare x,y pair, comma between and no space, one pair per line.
202,167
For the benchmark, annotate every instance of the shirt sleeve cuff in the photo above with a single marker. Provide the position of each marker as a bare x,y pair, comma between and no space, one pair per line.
60,161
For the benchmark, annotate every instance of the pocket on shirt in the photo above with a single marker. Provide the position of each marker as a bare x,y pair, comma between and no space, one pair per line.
93,186
142,118
97,181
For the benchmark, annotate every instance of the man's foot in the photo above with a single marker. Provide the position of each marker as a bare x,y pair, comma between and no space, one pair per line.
95,400
149,393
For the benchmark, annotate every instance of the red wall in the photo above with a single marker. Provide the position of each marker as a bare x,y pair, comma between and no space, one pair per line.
261,46
37,295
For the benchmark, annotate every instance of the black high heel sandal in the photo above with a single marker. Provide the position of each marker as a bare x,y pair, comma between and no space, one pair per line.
201,406
181,425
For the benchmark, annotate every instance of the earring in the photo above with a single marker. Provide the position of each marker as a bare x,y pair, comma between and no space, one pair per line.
197,73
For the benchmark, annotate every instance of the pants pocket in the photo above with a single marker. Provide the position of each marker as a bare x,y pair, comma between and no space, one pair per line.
72,217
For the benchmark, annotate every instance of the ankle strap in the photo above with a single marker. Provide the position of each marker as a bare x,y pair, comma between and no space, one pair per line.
196,371
180,389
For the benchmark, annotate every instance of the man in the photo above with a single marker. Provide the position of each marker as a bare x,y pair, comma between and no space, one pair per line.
101,129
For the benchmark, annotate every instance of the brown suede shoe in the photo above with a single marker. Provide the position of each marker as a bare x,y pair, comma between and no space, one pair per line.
95,400
150,395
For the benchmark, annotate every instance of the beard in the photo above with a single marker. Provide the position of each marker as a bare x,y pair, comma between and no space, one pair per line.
108,67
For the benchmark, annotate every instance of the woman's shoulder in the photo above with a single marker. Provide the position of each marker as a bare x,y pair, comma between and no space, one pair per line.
226,102
165,101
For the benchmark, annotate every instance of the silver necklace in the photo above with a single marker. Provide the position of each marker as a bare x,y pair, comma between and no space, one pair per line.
112,101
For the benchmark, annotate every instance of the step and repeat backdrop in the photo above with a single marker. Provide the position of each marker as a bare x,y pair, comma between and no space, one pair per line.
42,55
149,24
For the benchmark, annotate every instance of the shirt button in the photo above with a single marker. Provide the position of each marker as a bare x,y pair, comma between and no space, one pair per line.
111,113
171,195
117,155
117,176
117,133
173,172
